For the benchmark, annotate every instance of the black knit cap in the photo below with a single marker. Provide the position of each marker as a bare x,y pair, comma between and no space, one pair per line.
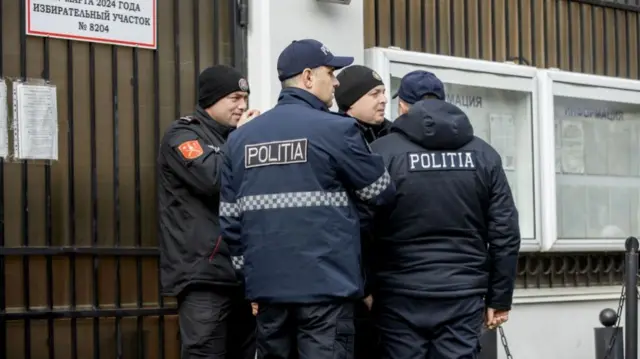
355,82
217,82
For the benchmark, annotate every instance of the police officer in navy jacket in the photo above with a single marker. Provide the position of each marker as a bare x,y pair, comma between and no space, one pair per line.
447,251
290,182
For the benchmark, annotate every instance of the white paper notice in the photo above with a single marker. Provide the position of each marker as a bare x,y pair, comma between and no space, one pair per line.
36,128
503,138
572,147
4,131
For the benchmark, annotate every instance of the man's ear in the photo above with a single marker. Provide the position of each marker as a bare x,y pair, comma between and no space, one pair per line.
307,78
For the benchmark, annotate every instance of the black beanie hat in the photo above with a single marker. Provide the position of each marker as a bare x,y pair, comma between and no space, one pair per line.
355,82
217,82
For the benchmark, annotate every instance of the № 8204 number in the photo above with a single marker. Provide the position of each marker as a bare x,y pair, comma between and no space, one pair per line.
98,28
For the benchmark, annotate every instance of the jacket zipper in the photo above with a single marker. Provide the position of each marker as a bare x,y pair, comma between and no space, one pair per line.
215,249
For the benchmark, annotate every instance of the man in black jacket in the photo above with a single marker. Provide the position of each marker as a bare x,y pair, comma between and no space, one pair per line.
195,265
447,251
362,95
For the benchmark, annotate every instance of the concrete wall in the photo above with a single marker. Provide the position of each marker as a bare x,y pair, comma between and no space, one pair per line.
274,24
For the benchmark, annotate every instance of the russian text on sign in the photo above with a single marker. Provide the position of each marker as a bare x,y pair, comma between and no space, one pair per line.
275,153
130,23
442,161
36,116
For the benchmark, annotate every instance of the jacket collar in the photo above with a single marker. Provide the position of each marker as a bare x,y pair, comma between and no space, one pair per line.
292,95
211,124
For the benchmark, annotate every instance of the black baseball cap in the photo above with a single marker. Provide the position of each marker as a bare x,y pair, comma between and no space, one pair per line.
417,84
307,54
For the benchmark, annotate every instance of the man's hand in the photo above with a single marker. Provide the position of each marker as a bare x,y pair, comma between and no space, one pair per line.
254,309
368,301
248,116
495,318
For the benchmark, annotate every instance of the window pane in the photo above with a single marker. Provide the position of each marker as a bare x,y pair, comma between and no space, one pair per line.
597,168
502,118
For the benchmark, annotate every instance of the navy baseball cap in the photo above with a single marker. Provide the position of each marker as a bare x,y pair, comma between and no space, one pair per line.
307,54
417,84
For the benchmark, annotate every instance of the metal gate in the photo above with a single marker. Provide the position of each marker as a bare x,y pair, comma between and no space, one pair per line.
78,238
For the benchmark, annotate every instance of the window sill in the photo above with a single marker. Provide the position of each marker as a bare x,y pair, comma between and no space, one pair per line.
565,295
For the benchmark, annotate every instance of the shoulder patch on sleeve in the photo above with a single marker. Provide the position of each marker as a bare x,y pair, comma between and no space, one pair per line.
191,150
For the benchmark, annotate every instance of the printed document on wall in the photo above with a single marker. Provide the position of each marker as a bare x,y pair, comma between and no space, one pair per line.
36,122
503,138
572,147
4,114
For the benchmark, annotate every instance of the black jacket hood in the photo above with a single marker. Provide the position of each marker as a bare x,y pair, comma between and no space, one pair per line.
435,125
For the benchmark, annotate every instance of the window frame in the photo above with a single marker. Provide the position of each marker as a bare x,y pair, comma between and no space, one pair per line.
551,83
390,62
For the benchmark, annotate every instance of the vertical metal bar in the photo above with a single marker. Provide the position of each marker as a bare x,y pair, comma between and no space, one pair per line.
616,42
156,137
480,38
532,38
94,197
631,300
176,56
637,57
25,196
570,35
72,201
116,191
493,30
437,13
196,45
452,30
407,25
376,22
507,30
138,200
465,19
594,53
605,39
3,294
392,21
558,37
582,37
627,50
519,17
233,32
545,34
423,26
47,218
216,32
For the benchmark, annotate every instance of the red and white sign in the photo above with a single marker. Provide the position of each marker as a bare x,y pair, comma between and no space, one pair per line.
115,22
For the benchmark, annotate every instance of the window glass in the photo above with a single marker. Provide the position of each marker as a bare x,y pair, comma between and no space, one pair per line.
597,145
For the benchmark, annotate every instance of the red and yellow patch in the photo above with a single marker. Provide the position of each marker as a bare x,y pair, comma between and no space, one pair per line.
191,149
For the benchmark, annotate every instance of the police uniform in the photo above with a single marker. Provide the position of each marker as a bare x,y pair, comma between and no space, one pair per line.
290,180
195,264
449,247
355,82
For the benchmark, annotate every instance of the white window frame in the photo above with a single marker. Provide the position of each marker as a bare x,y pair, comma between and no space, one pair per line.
390,62
554,82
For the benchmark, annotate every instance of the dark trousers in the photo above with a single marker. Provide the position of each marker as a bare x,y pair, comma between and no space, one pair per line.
216,323
413,328
306,331
367,339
